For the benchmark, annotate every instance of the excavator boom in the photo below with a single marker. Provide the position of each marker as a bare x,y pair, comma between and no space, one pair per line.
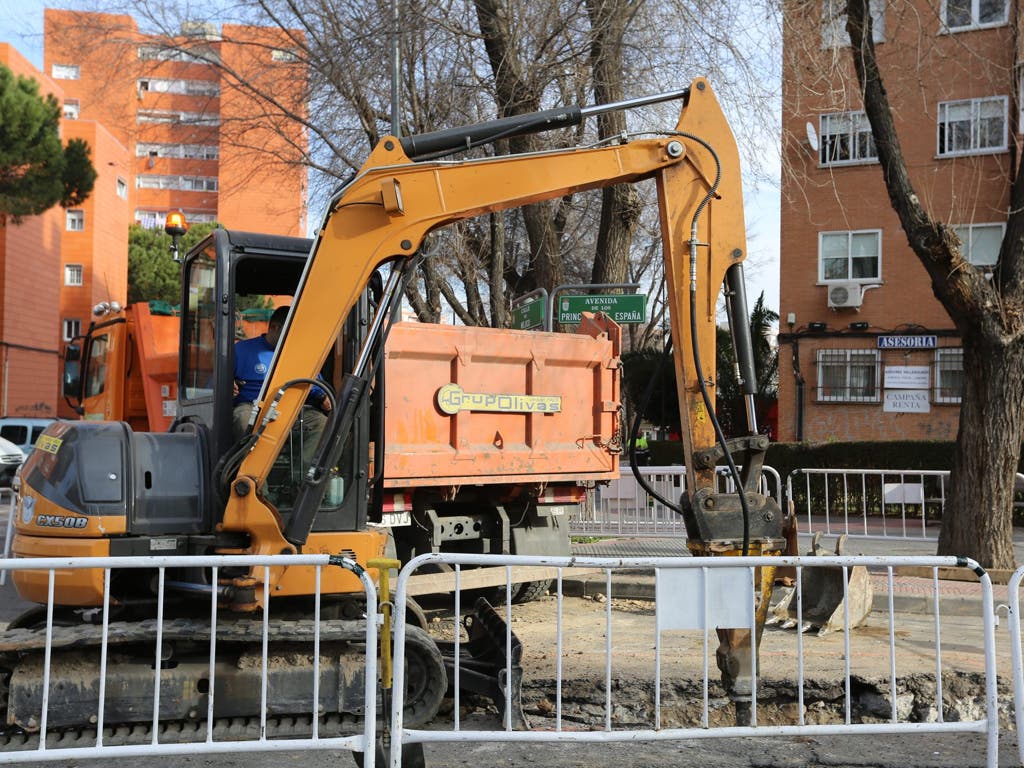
394,202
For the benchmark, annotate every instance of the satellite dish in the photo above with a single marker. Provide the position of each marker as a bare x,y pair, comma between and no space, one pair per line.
812,135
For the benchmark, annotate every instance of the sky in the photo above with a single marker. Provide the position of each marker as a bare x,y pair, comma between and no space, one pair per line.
21,25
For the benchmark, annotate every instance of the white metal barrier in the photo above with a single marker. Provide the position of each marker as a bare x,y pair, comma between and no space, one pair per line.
624,508
1013,612
11,498
204,732
701,594
870,503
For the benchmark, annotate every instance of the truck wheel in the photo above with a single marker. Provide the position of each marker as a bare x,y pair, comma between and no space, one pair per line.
529,591
426,680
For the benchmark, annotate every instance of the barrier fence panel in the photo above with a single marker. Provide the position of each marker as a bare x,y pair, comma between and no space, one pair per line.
10,498
869,503
1013,612
180,683
624,508
655,665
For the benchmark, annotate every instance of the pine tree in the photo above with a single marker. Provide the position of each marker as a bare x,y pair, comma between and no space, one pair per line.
36,172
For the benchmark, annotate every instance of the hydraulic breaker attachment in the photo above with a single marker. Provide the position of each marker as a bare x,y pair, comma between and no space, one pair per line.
825,603
484,664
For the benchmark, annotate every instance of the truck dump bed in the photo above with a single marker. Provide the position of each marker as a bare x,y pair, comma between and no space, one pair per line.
482,405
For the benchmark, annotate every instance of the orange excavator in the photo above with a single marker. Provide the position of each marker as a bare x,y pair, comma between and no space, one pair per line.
101,488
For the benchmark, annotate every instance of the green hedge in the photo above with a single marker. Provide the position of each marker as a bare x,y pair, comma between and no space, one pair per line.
785,457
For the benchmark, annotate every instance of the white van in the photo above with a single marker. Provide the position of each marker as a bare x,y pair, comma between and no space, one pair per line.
10,460
23,432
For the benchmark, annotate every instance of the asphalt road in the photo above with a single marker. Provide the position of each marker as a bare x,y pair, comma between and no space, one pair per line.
834,752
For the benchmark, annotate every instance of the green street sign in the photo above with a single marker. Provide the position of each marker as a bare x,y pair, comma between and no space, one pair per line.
528,315
622,308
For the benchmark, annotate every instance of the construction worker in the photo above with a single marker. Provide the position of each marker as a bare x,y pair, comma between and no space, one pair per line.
640,449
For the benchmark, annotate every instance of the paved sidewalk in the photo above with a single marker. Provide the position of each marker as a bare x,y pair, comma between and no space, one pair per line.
911,594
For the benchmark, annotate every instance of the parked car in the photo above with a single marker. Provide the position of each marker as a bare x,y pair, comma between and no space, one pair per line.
10,459
23,432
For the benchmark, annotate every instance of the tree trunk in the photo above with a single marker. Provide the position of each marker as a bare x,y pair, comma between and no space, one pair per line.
620,205
496,270
516,94
985,459
978,520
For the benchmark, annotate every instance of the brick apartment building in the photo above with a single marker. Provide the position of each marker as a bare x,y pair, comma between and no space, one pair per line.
866,351
168,131
30,294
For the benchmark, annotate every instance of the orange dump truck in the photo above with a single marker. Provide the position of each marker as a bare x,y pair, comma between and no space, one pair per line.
486,442
492,434
126,367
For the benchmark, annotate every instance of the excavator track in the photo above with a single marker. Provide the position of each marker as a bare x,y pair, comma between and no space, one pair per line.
184,732
75,660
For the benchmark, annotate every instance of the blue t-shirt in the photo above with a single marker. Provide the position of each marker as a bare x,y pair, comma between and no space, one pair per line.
252,362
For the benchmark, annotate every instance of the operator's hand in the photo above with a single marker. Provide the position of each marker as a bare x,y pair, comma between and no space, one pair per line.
234,392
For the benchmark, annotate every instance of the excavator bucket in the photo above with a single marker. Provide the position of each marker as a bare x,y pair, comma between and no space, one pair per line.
486,660
823,606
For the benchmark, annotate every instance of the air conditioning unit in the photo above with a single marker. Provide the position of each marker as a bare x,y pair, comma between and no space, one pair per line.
845,295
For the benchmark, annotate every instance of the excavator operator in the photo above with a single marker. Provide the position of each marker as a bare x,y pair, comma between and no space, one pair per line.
252,361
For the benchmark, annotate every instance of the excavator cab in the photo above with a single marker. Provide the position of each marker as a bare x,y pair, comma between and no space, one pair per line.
112,487
225,276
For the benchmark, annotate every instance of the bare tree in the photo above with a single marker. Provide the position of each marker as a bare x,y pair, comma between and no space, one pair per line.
463,61
987,313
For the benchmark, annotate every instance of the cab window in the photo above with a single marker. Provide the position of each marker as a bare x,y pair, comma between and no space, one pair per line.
96,366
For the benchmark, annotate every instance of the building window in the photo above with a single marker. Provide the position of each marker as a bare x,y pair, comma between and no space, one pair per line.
74,220
833,23
1020,102
972,126
156,219
949,375
979,243
188,87
180,183
850,255
65,71
72,274
846,138
289,57
122,188
962,15
185,151
72,328
71,109
169,116
159,53
848,375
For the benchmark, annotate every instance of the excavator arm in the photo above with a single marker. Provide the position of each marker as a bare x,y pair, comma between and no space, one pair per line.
394,202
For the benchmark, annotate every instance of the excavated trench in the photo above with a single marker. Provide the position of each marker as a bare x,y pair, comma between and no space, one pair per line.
583,702
585,624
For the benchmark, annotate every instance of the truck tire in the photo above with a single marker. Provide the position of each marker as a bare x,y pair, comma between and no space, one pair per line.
529,591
